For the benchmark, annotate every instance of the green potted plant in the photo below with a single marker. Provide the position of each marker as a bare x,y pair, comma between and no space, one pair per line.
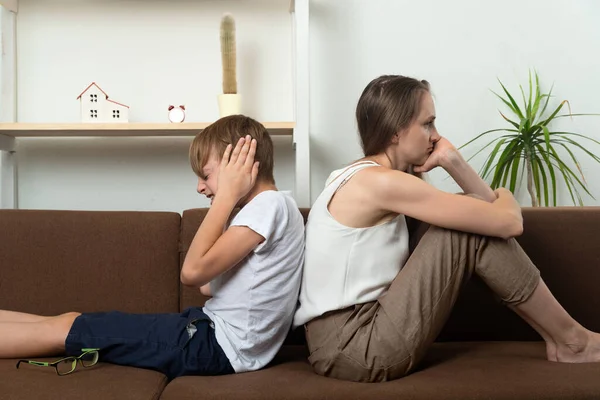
529,145
229,100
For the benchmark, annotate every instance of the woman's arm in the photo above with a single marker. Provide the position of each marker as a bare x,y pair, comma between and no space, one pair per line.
466,177
448,157
399,192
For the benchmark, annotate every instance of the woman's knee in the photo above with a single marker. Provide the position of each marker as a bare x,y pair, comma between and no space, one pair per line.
438,230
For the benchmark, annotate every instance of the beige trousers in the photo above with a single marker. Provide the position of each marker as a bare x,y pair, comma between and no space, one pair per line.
385,339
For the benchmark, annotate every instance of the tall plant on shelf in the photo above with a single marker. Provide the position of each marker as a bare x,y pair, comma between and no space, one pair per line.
530,145
229,101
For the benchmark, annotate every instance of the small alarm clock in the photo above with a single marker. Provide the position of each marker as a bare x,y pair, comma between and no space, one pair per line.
176,114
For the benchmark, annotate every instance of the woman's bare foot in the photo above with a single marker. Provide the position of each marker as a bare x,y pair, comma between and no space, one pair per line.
551,351
583,346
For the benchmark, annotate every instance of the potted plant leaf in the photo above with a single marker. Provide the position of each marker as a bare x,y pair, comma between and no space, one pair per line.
529,145
229,101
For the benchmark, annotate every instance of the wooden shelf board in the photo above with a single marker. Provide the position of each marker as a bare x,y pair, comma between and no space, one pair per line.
123,129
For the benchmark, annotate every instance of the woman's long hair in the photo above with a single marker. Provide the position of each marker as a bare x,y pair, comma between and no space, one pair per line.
388,105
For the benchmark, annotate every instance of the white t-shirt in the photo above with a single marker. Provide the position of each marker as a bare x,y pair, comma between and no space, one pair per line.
253,303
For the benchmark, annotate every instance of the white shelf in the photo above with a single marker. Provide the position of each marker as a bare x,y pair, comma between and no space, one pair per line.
123,129
11,130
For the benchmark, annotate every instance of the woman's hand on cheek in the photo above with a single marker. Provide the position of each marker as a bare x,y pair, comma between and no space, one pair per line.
441,155
238,170
429,164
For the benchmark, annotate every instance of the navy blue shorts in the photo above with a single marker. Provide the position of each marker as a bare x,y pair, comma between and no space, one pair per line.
160,342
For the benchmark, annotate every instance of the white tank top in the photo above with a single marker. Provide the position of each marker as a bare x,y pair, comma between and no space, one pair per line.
344,266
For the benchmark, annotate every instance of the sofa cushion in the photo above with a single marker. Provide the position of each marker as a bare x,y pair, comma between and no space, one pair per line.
467,370
103,381
190,222
57,261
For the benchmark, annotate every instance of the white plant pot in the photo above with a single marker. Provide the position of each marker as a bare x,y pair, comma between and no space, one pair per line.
229,104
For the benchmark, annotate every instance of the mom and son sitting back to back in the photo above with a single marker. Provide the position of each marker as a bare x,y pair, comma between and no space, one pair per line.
266,271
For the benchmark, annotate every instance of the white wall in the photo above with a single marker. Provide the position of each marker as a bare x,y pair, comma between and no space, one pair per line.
148,55
460,47
118,174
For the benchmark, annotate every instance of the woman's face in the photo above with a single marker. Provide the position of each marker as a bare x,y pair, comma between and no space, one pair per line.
415,144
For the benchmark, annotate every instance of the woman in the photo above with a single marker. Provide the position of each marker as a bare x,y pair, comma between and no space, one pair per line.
371,308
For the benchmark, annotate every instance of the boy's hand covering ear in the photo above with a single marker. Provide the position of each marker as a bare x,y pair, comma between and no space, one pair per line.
238,171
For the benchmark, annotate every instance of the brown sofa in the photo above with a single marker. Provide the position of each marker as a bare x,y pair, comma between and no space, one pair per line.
57,261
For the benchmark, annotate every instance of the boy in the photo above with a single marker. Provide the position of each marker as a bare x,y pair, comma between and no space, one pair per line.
252,268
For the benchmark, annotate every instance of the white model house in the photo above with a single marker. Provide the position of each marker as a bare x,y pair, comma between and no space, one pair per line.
97,107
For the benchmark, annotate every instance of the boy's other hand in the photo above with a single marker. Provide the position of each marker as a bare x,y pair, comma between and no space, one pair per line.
238,171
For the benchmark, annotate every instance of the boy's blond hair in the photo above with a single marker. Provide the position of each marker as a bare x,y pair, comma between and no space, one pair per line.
213,140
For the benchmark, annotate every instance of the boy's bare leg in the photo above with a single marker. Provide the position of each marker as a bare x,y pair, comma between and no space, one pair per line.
35,339
13,316
573,342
